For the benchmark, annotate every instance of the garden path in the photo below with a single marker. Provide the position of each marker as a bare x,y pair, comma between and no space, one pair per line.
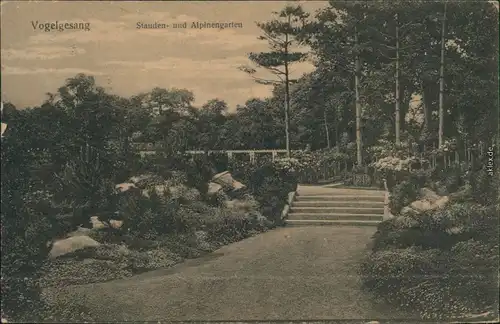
288,273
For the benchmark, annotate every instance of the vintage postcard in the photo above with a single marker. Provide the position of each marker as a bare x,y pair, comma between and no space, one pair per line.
249,161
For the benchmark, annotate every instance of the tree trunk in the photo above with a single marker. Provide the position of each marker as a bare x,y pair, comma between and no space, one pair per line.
328,144
358,105
126,144
441,80
287,109
397,116
287,96
425,128
337,140
425,107
336,131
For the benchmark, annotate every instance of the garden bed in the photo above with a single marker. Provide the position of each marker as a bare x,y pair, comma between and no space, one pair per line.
438,255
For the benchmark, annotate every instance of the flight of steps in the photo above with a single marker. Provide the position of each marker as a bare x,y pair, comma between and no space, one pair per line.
316,205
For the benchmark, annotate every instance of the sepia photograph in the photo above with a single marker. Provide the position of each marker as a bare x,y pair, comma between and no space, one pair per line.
250,161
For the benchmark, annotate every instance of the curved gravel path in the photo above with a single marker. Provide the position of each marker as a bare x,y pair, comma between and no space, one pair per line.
288,273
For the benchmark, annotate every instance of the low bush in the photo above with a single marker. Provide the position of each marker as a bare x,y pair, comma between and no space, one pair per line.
402,195
147,217
484,187
229,225
25,233
398,232
66,310
420,177
441,228
199,172
67,272
436,283
103,263
441,263
269,183
139,262
185,246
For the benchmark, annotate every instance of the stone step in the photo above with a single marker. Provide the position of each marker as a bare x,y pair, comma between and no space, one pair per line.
335,210
312,190
337,203
337,216
340,193
308,222
349,198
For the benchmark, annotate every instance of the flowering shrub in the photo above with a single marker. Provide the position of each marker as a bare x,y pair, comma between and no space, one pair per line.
387,148
391,164
291,165
442,263
396,163
320,158
447,146
316,165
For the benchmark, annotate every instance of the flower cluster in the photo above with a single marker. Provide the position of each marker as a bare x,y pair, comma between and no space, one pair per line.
290,164
447,146
391,163
317,159
386,148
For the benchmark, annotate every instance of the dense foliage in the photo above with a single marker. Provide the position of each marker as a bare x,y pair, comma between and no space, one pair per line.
270,183
54,179
60,161
441,262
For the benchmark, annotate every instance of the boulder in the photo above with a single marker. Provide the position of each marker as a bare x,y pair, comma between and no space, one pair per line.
71,244
226,180
429,195
429,200
213,188
116,224
122,187
423,205
441,202
96,223
80,231
4,128
238,185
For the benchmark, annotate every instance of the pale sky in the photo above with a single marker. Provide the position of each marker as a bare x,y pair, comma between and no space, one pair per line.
127,60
